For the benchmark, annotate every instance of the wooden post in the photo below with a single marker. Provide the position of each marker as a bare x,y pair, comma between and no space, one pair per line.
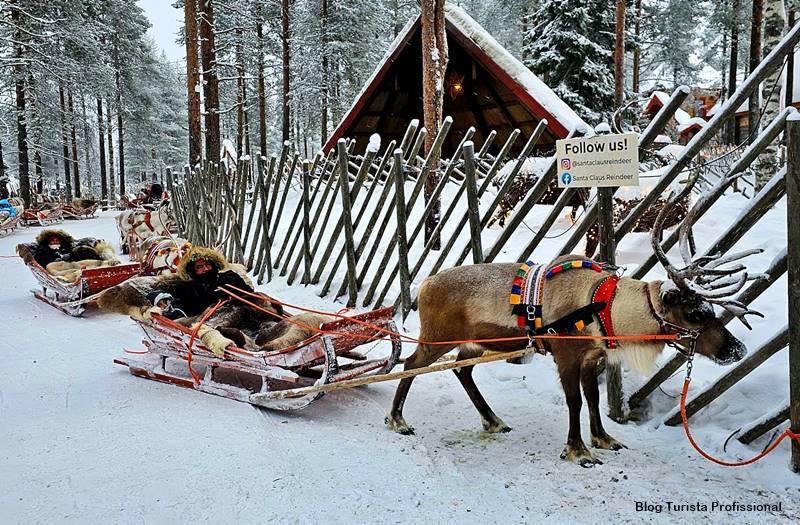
793,232
322,170
472,203
306,223
605,222
344,185
402,243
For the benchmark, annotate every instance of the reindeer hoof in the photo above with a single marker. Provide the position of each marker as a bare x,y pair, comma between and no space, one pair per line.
607,443
495,427
580,455
399,426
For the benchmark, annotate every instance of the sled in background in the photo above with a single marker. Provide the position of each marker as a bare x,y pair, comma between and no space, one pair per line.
9,225
78,213
242,375
44,215
68,297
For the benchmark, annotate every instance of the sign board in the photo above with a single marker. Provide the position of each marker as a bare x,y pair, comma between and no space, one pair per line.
602,161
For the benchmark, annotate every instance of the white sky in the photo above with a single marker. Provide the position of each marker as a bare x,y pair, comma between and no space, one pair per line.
165,20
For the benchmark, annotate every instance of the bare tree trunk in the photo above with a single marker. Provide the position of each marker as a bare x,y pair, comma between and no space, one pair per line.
239,95
76,184
790,65
112,180
619,56
324,87
210,81
102,150
33,95
434,65
733,69
774,24
287,124
22,122
120,133
755,59
637,50
3,179
86,147
192,82
262,95
64,142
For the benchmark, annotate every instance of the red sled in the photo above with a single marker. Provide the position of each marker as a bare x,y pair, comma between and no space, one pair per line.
78,213
10,225
43,216
69,297
249,377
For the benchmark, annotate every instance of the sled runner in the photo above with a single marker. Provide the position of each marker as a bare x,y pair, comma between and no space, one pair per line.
67,296
320,359
78,213
43,216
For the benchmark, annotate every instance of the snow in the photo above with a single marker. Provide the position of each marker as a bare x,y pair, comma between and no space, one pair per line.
602,128
83,441
374,143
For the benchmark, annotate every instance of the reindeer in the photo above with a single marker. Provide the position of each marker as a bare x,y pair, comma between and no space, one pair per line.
471,302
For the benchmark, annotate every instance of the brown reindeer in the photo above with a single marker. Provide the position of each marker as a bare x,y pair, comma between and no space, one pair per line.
471,302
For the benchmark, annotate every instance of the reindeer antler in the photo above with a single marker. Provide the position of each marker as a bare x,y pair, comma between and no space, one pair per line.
707,275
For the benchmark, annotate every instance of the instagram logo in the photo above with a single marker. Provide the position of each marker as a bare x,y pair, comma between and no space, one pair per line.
566,164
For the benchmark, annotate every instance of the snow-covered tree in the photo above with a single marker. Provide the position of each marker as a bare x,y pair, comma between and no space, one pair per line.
570,46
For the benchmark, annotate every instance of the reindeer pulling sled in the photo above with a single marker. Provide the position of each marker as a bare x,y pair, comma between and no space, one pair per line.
258,378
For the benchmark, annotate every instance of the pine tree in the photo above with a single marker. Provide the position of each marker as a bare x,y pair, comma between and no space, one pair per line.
570,47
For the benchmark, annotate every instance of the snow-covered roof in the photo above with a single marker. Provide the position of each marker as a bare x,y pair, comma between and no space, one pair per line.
545,96
692,122
681,117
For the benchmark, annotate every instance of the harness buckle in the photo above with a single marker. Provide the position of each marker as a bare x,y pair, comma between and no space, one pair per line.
531,312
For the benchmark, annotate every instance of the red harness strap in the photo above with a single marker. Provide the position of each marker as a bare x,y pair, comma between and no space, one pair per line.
605,292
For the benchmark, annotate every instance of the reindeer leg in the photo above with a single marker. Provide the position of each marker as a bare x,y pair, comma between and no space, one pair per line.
575,450
491,423
599,436
423,356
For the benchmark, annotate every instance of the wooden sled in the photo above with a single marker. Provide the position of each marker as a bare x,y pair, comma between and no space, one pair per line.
77,213
320,359
43,216
10,225
63,295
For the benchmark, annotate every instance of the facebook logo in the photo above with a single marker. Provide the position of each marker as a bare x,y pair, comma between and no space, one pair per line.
566,177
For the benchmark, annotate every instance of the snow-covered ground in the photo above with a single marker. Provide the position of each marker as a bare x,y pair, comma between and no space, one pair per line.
82,441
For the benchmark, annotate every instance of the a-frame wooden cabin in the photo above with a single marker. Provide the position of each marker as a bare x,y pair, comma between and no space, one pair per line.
485,87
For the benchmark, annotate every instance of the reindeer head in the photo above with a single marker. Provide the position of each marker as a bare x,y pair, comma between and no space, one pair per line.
687,301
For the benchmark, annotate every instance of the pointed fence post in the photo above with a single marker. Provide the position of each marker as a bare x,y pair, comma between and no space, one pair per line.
306,222
402,242
344,185
472,203
793,232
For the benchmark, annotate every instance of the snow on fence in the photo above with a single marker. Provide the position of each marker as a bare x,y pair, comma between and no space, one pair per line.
343,203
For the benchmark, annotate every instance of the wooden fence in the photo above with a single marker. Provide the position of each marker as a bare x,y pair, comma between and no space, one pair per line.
370,246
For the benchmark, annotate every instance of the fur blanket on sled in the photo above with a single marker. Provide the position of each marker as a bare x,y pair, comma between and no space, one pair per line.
235,323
